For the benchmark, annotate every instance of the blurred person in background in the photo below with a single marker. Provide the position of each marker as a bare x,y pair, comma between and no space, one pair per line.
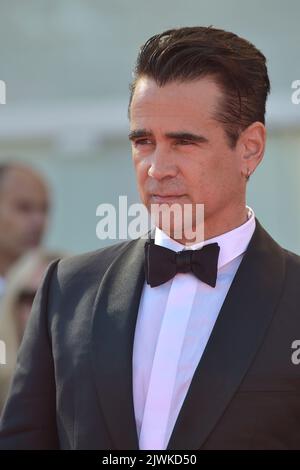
24,205
22,283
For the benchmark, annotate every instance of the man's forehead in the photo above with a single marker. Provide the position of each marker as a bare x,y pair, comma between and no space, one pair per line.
18,183
148,88
175,101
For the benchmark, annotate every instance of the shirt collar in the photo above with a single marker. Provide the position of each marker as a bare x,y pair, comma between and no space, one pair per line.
232,243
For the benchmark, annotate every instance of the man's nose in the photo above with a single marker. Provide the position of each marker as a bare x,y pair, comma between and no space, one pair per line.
162,164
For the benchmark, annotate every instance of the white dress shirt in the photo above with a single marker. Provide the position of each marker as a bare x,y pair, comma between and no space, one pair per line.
174,323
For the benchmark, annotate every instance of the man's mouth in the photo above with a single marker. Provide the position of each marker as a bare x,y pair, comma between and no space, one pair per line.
160,198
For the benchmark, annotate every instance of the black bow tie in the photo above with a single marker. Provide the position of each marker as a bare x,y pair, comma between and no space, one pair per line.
161,264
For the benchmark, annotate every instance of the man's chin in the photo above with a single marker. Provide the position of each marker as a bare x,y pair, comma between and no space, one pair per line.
179,220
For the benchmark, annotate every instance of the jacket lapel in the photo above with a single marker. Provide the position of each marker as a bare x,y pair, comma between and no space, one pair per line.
115,314
236,337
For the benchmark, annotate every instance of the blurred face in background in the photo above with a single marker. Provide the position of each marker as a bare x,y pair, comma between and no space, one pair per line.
23,211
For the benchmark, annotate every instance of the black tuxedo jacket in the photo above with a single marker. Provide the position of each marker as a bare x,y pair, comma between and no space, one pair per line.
73,383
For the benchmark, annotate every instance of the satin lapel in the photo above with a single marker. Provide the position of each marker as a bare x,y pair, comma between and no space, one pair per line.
115,314
236,337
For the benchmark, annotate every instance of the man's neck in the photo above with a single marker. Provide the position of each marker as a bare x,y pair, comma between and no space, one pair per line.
216,225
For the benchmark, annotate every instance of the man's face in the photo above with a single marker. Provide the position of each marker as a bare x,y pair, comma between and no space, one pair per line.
180,152
23,212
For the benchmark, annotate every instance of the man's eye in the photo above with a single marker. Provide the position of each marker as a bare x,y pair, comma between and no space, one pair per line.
184,142
142,142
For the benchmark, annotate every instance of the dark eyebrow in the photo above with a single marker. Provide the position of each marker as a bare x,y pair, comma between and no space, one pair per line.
138,133
187,136
181,135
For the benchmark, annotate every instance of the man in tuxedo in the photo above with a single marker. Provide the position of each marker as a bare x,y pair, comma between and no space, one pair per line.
165,342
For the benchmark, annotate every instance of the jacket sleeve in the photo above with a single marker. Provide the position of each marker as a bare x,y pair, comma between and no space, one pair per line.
29,416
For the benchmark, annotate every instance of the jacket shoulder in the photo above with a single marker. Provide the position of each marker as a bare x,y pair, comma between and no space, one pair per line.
292,256
86,266
293,261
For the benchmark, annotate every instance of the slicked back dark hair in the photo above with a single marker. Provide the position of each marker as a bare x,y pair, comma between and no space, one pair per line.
191,53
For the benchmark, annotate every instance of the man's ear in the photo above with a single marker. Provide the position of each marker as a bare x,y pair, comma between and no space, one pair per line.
252,143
